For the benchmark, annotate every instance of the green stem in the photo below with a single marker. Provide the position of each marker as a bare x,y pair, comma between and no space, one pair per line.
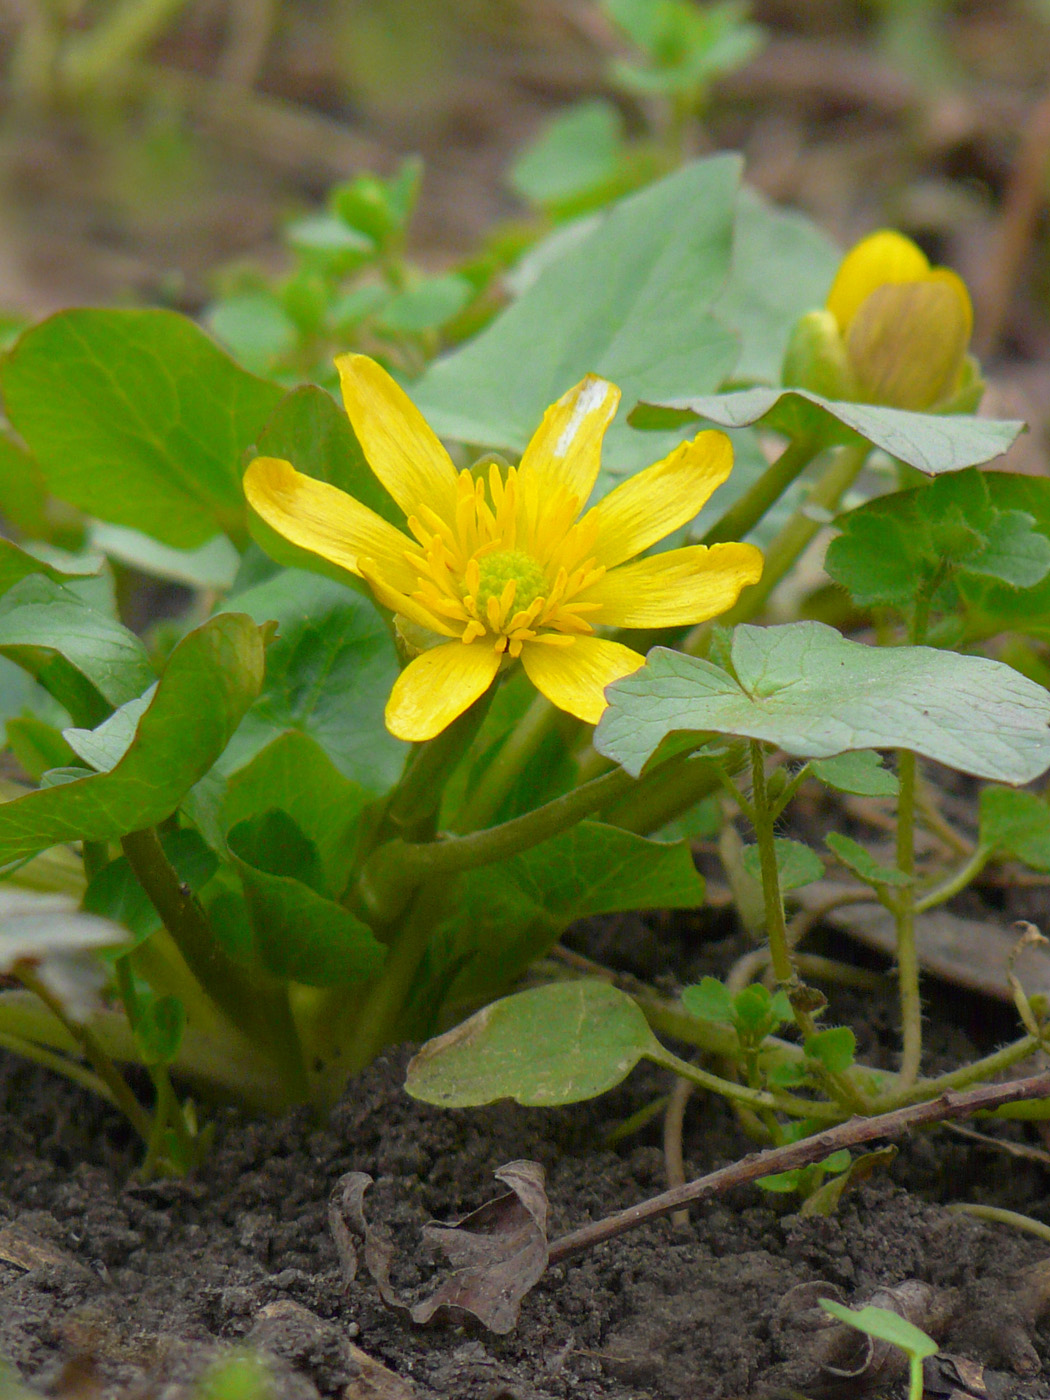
377,1018
96,1055
742,517
776,928
978,1072
907,953
998,1216
396,869
517,750
791,541
964,876
653,805
414,804
760,1100
58,1064
262,1013
905,902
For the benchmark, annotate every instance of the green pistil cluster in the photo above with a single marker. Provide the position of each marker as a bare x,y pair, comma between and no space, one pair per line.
496,571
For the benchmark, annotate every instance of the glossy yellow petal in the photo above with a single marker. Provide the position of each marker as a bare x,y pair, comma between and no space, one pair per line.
405,605
437,687
649,505
401,447
574,677
907,344
319,517
883,257
676,589
566,448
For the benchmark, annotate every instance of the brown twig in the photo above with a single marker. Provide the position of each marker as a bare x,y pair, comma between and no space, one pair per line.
800,1154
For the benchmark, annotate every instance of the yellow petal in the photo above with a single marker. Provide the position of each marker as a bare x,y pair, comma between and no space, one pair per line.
948,278
402,449
907,344
883,257
676,589
437,687
319,517
574,677
403,604
566,448
648,506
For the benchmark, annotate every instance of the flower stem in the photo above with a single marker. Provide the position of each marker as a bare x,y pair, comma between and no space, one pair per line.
743,515
518,749
260,1012
793,538
397,868
57,1063
760,1100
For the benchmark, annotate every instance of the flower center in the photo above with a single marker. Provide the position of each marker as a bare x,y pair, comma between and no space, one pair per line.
500,568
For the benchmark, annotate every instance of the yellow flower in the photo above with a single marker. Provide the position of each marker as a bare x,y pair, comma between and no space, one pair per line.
895,330
500,565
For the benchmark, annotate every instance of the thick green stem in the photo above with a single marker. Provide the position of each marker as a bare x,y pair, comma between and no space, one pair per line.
377,1018
414,804
978,1072
653,805
742,517
260,1012
100,1061
517,750
792,540
396,869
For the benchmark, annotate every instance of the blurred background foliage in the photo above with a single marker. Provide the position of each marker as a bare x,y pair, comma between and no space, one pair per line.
310,175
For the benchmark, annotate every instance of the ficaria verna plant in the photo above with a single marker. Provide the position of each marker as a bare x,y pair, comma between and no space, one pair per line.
460,666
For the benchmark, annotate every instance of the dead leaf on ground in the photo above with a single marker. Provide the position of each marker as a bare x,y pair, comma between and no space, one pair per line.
497,1253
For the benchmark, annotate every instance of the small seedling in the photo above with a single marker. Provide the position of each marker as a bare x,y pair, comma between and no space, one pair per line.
885,1326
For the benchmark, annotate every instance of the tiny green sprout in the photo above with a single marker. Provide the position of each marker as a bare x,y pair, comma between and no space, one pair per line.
886,1326
242,1377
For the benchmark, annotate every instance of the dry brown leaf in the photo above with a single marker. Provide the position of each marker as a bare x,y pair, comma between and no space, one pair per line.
497,1253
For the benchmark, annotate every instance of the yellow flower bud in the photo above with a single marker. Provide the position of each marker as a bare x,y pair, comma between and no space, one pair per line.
895,331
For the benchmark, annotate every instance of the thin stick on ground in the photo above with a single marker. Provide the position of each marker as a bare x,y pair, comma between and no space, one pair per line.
800,1154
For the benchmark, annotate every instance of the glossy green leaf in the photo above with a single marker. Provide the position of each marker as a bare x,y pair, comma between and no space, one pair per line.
510,914
138,418
810,691
298,934
23,491
328,674
782,267
17,564
211,678
1016,824
551,1045
860,772
853,855
38,745
310,430
294,774
898,546
87,661
797,865
213,566
931,442
630,300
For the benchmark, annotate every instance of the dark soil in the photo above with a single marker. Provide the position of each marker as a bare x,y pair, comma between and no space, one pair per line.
151,1282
